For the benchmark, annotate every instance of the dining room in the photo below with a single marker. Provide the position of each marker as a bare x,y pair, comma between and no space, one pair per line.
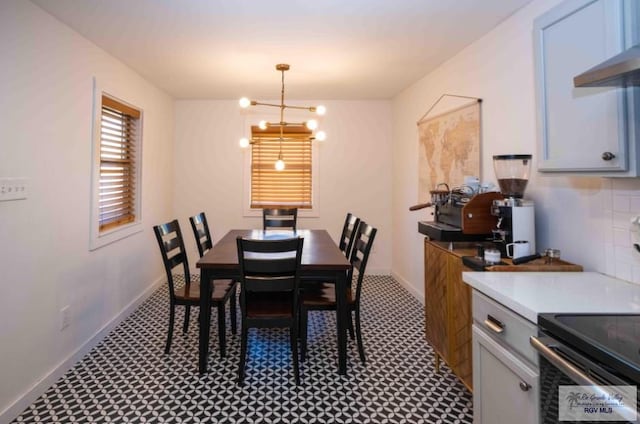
190,162
86,304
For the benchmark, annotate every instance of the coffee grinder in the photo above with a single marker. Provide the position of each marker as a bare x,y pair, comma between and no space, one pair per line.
516,218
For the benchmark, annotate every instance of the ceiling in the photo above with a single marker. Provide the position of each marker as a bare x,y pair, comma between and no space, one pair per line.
337,49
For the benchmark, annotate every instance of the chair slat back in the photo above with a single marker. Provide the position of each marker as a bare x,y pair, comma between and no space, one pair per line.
348,231
279,218
270,265
171,244
201,232
173,253
364,237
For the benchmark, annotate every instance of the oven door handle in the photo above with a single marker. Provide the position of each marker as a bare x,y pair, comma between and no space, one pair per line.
545,346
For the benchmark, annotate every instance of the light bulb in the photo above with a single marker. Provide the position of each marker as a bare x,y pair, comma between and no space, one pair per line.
312,124
321,110
279,165
321,136
244,142
263,125
245,103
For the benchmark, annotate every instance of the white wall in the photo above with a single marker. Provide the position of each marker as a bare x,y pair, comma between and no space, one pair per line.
355,169
577,215
46,73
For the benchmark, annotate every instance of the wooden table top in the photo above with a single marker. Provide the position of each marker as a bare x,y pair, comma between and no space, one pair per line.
461,249
319,251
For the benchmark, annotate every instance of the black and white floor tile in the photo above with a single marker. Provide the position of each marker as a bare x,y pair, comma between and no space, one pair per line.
128,379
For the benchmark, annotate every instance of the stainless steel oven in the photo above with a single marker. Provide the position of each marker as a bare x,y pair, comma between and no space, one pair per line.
586,350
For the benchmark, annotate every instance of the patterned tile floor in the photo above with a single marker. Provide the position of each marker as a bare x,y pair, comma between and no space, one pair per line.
128,379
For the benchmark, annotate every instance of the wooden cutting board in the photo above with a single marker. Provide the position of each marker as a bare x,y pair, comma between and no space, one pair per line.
536,265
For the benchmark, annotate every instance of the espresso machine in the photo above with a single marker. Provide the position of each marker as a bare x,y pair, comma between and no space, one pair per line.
460,214
516,218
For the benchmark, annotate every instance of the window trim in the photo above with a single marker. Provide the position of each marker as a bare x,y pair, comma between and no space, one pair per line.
247,211
98,239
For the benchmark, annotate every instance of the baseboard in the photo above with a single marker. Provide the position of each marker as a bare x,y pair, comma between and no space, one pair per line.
410,287
13,410
378,271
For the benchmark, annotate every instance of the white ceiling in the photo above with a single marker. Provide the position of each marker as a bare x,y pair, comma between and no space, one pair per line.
337,49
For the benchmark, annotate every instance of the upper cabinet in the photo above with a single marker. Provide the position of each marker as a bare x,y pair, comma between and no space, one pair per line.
589,131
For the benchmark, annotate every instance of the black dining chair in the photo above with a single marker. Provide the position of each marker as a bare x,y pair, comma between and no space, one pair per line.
171,243
351,223
200,228
204,242
269,290
323,297
279,218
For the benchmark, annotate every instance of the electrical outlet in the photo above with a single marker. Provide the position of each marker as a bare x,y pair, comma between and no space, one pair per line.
65,317
635,224
13,188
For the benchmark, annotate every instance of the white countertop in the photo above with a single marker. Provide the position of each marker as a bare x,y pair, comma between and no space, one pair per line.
532,293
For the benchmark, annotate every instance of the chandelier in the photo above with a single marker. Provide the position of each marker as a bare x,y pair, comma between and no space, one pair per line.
311,124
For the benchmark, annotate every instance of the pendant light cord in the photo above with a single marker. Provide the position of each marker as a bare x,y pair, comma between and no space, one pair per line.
281,116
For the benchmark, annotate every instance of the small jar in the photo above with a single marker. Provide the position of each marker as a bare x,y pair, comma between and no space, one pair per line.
492,256
551,255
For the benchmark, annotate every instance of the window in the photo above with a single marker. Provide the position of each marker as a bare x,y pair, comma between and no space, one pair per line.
117,195
290,187
116,168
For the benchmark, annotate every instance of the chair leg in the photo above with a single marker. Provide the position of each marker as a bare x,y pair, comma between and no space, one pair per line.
293,334
359,334
222,329
303,318
351,328
243,353
172,313
232,312
187,315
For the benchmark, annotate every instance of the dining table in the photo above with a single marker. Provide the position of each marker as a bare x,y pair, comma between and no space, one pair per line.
322,260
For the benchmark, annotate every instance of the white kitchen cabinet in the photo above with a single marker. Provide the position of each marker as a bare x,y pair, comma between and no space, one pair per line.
505,366
588,131
506,389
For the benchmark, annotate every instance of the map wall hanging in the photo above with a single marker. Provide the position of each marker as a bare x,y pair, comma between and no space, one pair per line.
449,146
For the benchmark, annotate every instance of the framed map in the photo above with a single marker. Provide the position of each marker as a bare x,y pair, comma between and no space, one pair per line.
449,148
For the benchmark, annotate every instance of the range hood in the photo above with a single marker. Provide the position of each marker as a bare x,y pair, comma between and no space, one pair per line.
622,70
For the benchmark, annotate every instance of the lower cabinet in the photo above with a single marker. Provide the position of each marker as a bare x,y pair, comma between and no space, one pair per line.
448,310
506,373
506,389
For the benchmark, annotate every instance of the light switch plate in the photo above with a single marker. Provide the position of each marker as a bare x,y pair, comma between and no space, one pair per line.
13,188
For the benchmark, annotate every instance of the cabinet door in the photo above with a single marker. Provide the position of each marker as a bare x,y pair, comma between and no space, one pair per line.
505,388
459,296
576,126
435,298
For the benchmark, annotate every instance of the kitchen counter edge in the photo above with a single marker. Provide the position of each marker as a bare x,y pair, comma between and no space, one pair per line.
531,293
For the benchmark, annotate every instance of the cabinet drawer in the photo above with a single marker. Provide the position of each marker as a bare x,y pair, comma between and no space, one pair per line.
505,325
